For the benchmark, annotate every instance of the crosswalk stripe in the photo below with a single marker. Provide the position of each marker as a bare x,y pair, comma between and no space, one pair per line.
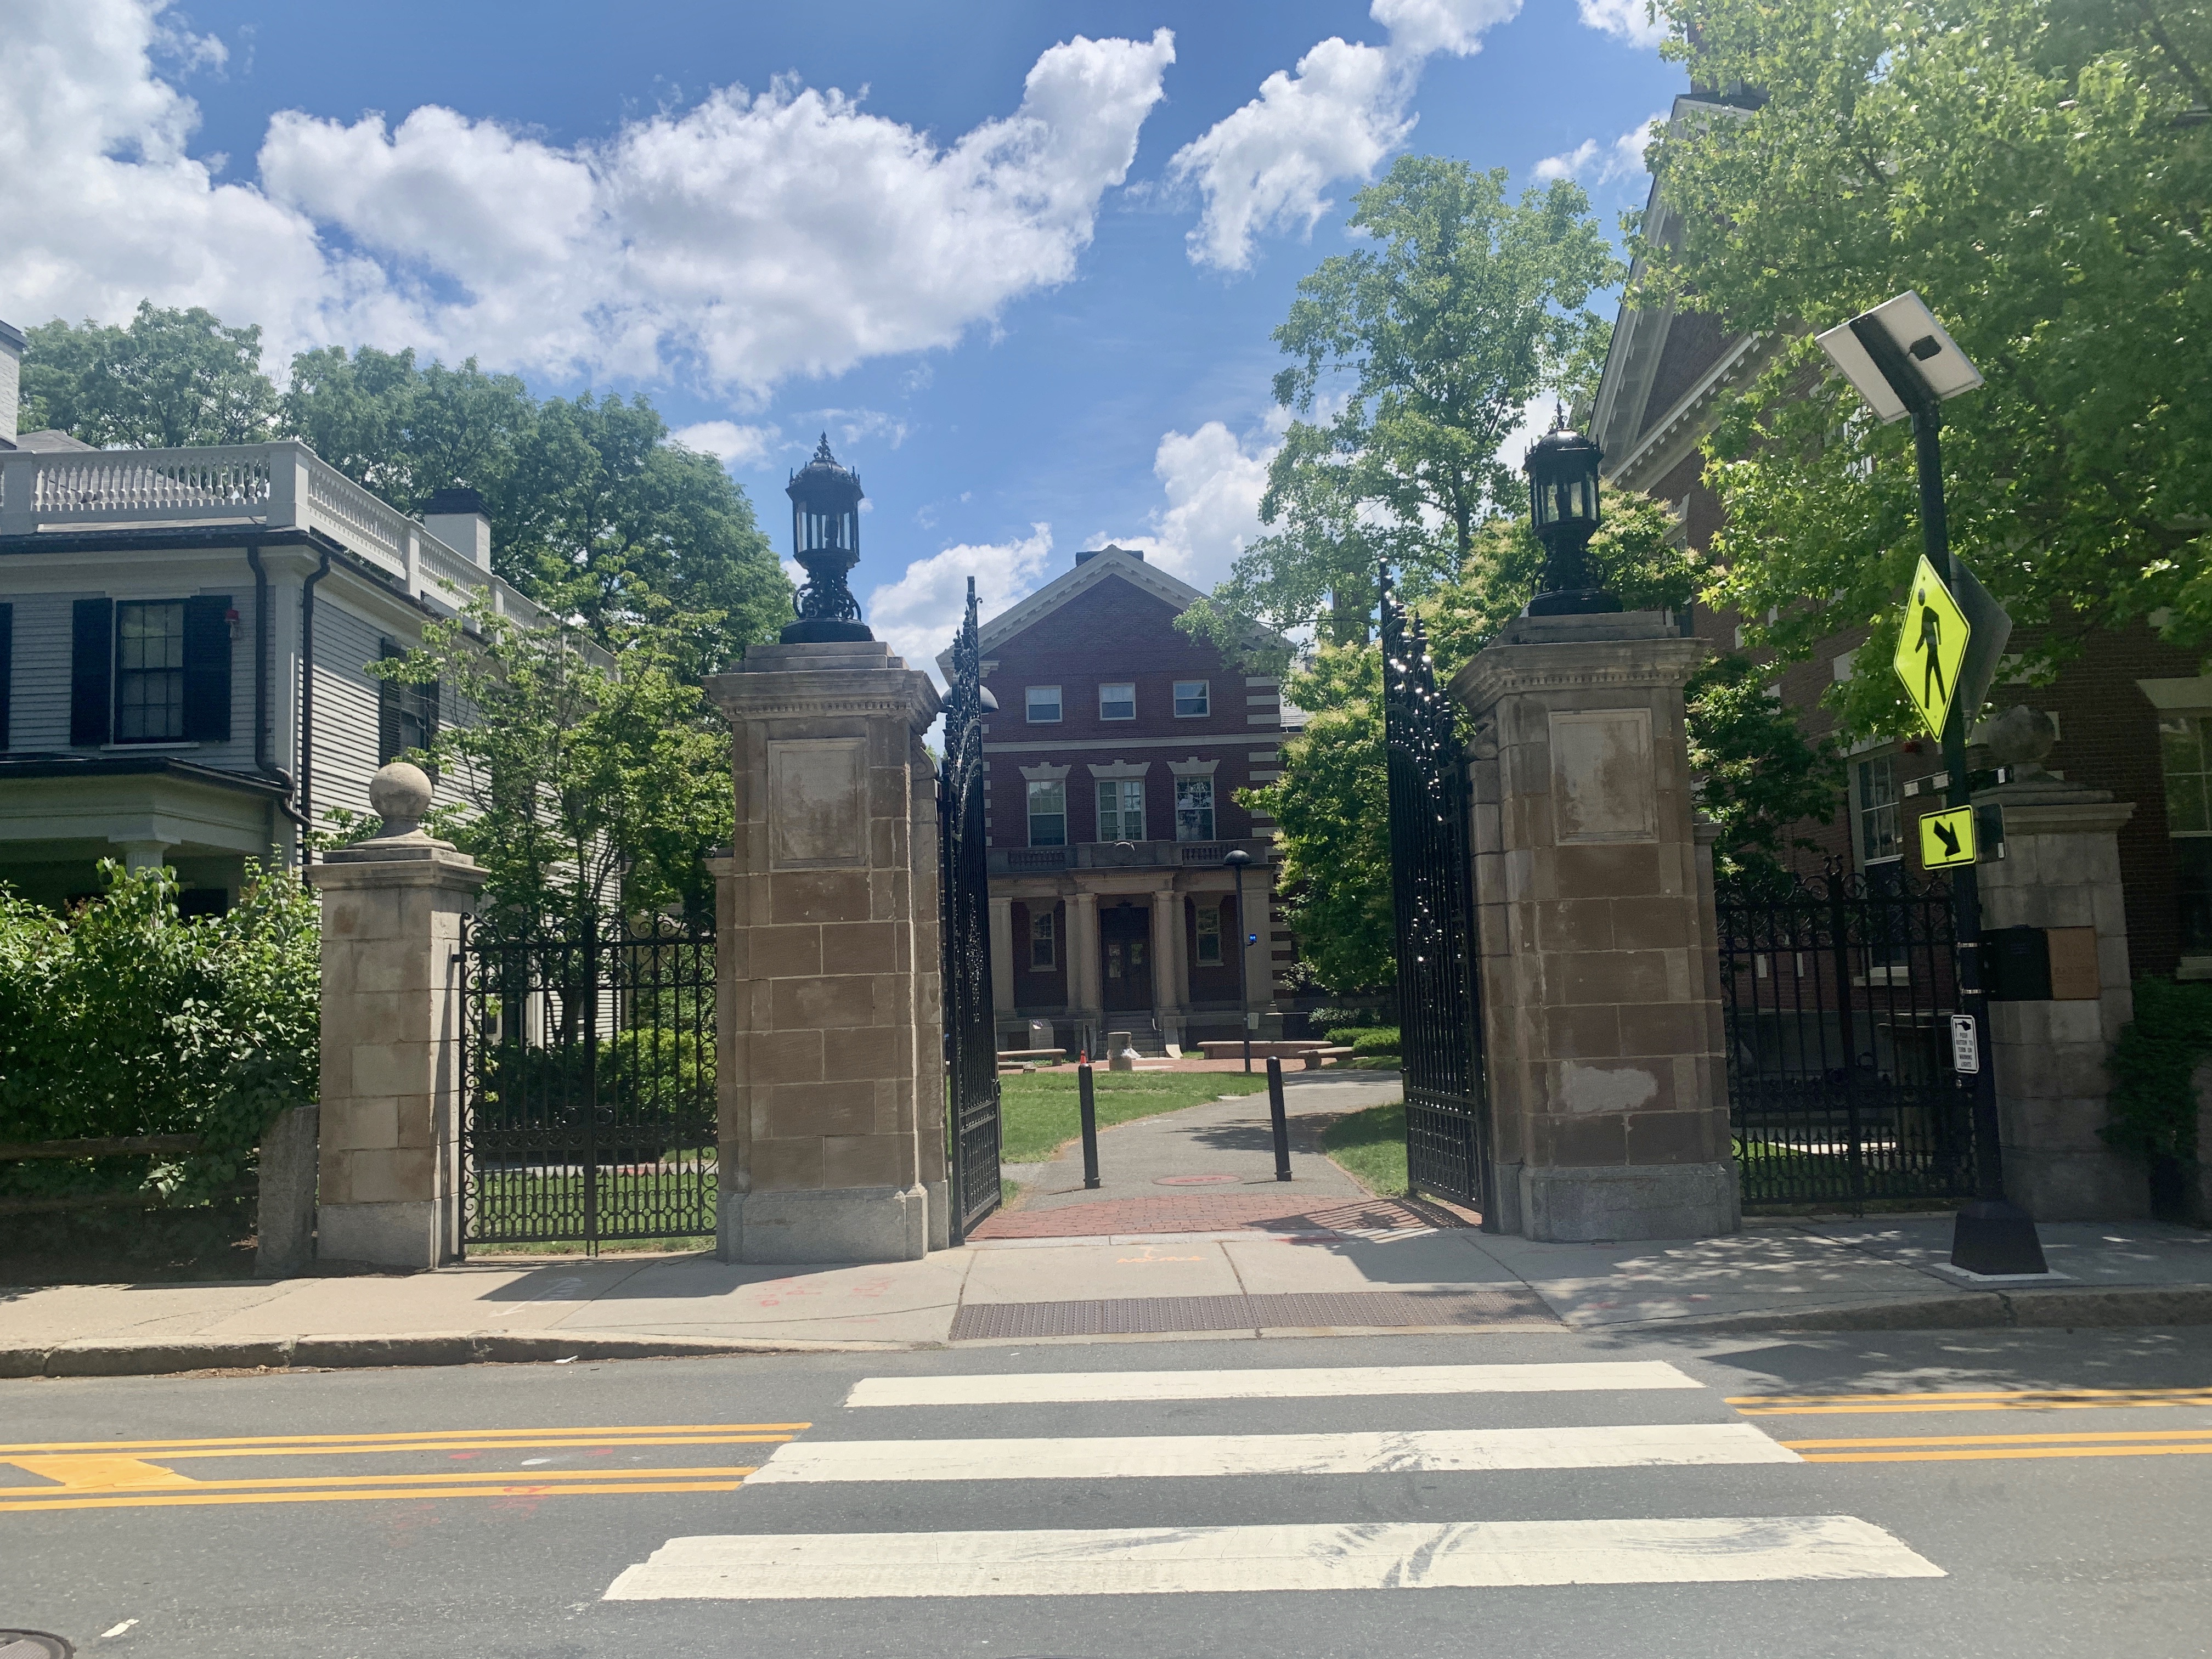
1176,1560
1053,1388
1182,1456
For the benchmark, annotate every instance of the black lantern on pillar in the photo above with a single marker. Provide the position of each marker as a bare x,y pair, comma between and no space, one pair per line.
1561,468
825,539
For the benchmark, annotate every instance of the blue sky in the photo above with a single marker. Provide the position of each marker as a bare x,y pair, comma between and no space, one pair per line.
1020,260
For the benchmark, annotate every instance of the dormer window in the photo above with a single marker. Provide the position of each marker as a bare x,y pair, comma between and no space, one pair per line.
1117,703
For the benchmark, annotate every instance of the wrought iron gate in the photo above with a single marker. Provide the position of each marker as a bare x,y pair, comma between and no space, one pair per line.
971,1043
588,1085
1839,990
1439,1018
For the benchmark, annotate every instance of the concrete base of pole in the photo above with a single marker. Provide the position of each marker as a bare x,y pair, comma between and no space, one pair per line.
1995,1236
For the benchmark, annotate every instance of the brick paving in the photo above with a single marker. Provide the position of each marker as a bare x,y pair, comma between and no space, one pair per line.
1220,1212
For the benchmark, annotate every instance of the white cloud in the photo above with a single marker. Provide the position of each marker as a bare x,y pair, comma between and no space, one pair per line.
1212,484
1599,163
728,442
1263,168
919,614
1630,20
748,239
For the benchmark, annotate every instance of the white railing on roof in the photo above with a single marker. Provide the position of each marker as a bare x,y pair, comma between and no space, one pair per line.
279,486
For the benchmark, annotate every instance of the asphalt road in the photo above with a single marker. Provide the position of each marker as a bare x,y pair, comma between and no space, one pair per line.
490,1510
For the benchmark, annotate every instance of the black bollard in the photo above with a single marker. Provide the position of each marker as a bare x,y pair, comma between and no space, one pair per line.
1086,1098
1281,1115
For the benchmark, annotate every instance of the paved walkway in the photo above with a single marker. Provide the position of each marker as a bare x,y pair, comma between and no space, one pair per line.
1135,1259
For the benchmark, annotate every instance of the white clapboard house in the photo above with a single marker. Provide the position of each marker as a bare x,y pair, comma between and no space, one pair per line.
183,643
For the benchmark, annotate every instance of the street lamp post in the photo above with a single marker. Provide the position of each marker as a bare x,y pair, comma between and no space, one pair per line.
1236,858
1563,509
1904,363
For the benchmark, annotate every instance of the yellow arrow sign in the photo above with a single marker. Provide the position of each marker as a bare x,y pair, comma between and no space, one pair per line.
1930,647
1947,837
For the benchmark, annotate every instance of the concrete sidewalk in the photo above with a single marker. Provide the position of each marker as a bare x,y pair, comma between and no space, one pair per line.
1314,1256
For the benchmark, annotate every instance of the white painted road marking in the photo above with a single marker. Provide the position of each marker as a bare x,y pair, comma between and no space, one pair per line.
1181,1560
1046,1388
1634,1445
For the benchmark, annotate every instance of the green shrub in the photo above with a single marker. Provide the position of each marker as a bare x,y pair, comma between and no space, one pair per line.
125,1019
2153,1107
1383,1040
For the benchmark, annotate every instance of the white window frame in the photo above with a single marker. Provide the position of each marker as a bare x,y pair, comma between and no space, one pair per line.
1205,913
1213,819
1861,809
1204,699
1129,686
1030,705
1122,792
1048,790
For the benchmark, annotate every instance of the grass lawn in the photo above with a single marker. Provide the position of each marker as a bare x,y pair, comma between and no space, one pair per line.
1370,1147
1037,1109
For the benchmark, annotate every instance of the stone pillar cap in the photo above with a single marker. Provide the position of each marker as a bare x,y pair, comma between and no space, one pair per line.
401,795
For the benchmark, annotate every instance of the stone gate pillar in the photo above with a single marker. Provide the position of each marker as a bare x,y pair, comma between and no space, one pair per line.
2060,875
389,1176
1599,976
831,1073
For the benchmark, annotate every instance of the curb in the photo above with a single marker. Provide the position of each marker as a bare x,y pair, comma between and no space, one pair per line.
2084,1308
96,1357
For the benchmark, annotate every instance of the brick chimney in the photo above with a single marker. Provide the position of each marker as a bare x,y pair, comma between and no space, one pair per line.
457,517
11,372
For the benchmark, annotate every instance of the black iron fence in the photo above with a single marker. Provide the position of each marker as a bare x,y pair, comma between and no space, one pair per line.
588,1089
1839,991
1446,1123
971,1024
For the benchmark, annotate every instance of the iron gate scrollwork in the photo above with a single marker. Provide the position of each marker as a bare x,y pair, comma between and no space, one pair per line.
972,1043
1839,990
1439,1016
587,1082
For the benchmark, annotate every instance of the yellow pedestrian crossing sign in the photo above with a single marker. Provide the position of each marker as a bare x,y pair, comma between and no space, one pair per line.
1931,648
1947,837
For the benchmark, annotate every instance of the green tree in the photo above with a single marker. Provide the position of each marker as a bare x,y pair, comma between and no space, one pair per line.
586,792
168,378
2038,172
1412,360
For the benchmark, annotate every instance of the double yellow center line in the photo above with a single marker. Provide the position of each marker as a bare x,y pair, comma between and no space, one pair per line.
134,1473
1978,1448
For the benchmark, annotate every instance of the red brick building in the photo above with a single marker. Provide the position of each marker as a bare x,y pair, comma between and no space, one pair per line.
2134,715
1116,757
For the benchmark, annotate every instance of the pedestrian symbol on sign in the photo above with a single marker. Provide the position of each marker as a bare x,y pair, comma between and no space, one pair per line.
1930,647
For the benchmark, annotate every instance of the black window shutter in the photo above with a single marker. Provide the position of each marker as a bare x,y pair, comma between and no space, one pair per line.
389,741
207,668
7,666
92,673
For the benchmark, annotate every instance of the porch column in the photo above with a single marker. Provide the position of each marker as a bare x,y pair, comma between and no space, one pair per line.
389,1179
827,903
1002,955
2060,875
1083,961
1599,989
1169,996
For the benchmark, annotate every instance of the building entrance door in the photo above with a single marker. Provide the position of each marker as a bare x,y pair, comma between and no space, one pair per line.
1125,945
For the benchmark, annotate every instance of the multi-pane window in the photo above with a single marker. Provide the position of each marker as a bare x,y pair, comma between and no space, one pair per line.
1190,697
150,671
1209,936
1049,813
406,714
1193,809
1117,703
1121,810
1043,702
2184,744
1878,838
1043,942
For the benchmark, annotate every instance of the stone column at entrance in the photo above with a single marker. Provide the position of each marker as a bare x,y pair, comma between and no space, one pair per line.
1002,955
830,1070
1600,981
389,1177
1083,982
2060,874
1169,995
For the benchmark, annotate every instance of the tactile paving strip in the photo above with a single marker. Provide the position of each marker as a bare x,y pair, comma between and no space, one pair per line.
1504,1304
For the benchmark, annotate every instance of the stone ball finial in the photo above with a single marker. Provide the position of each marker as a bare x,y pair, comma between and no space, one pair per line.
2020,738
400,792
